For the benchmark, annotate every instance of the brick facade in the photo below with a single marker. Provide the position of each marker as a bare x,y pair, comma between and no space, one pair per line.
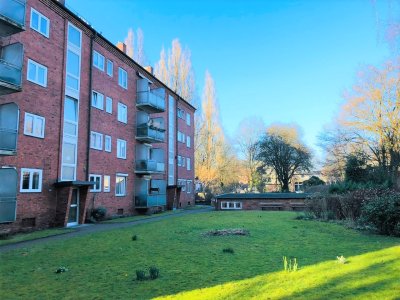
48,207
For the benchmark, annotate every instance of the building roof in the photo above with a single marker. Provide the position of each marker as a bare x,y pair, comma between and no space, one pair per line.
99,35
252,196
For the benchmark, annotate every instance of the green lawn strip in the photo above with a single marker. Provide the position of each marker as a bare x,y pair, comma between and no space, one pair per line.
141,217
103,265
21,237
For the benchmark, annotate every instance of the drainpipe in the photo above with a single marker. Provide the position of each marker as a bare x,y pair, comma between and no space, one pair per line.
176,147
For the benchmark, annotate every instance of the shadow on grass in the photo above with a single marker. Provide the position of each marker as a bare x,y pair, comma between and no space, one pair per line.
367,276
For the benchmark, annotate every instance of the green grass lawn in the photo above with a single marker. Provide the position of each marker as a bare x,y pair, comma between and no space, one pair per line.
21,237
193,266
141,217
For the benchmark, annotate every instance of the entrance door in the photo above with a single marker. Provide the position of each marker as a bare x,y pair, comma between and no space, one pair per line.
73,217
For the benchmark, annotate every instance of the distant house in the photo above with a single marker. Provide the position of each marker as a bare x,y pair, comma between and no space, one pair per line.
262,201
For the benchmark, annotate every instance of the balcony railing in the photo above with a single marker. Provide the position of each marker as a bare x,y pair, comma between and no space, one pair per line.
150,102
12,16
142,201
11,57
149,166
150,134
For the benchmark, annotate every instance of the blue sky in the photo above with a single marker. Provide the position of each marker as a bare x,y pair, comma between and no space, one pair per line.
286,61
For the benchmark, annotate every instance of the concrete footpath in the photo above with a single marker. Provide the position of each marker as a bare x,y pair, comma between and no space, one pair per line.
100,227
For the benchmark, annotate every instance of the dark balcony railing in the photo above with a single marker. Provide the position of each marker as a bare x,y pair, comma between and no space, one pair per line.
11,58
150,102
10,74
149,166
150,200
150,134
12,16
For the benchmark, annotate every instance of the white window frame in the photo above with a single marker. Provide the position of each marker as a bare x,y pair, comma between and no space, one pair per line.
30,189
189,188
122,113
40,16
35,80
179,160
188,141
125,176
110,71
236,204
107,189
99,56
35,117
188,121
183,186
122,80
96,134
119,143
109,103
94,189
188,167
100,100
107,143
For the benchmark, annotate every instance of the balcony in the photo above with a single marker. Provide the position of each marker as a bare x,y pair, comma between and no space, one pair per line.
149,167
12,16
150,101
9,118
151,132
144,201
11,57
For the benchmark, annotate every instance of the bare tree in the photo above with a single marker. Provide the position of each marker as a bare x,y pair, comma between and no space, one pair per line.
286,156
130,43
135,50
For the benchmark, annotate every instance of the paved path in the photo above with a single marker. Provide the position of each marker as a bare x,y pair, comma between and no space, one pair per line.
93,228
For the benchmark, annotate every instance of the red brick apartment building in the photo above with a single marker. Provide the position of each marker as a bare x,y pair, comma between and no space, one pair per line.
82,125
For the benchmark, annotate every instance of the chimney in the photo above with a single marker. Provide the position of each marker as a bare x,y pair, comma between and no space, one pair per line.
121,46
149,69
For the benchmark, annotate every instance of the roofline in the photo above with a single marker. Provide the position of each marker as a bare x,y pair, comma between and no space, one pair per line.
96,33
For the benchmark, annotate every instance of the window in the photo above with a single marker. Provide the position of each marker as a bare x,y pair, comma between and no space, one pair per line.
106,183
123,78
34,125
74,36
121,148
37,73
122,112
179,160
31,181
188,119
298,187
181,113
189,186
98,60
120,185
97,100
183,161
188,164
96,140
109,105
40,23
107,143
110,67
97,179
181,137
73,70
183,185
188,141
231,205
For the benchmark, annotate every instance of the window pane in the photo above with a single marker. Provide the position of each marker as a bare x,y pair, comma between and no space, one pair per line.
69,153
41,75
97,180
70,110
35,20
38,127
35,181
73,63
25,181
32,71
68,173
29,124
106,183
72,82
74,36
70,128
43,26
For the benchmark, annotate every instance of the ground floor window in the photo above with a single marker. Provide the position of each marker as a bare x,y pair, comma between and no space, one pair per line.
31,181
106,183
120,185
97,179
231,205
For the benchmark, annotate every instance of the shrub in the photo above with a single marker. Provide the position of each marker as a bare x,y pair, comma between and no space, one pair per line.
134,237
140,275
383,213
99,213
154,273
228,250
61,270
290,265
341,259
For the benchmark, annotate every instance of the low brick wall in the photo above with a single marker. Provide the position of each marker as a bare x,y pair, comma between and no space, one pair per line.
264,204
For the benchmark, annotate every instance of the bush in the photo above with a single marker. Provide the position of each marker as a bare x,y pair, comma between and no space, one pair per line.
99,213
154,272
140,275
383,213
134,237
228,250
